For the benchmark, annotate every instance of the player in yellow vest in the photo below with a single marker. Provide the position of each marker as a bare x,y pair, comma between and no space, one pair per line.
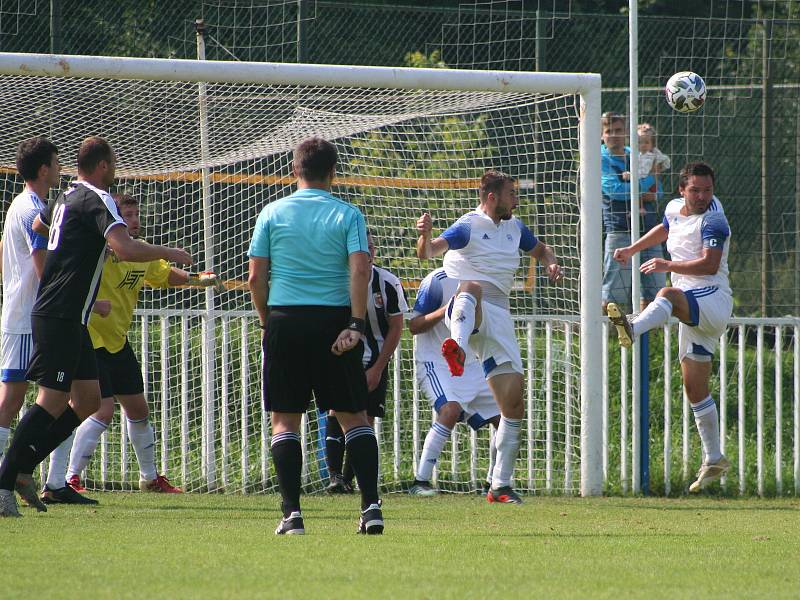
119,371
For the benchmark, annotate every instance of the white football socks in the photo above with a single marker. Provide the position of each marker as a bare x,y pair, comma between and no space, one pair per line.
144,441
492,453
507,444
706,418
437,437
462,319
654,315
56,475
4,433
87,435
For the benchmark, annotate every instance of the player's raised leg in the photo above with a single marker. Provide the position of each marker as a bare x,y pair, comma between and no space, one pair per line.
465,317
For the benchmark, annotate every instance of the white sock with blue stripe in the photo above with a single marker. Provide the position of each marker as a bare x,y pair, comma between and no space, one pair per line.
507,444
462,320
492,453
706,418
87,436
437,437
57,474
654,315
143,440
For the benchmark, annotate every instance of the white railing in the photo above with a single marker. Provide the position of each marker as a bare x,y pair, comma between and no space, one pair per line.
237,436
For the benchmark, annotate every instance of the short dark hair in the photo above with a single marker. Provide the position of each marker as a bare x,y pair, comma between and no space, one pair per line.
92,151
493,181
610,117
33,154
314,159
699,169
124,200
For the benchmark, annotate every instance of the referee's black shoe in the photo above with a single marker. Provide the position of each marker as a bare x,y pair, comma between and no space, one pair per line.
64,495
291,525
371,521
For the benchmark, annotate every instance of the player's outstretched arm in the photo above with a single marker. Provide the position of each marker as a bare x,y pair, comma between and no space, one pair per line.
708,264
427,247
179,277
423,323
657,235
128,249
547,256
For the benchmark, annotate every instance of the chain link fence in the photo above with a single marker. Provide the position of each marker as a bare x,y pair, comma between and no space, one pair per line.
749,129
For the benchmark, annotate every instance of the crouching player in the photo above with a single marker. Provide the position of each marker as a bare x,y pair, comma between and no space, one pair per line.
119,371
697,236
454,398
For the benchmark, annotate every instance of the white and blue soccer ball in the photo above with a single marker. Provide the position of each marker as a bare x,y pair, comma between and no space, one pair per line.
685,91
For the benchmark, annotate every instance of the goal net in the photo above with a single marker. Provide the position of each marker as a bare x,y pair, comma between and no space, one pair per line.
204,158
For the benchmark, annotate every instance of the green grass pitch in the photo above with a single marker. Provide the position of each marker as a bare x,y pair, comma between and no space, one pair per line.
201,546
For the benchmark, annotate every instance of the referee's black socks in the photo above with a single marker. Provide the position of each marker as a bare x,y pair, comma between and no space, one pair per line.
288,458
362,452
334,445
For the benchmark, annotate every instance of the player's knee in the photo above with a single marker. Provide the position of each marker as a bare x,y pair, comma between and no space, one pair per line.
670,293
471,287
449,414
105,413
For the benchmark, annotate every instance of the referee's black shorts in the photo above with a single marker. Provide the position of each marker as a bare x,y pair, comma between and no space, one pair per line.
120,373
62,353
297,361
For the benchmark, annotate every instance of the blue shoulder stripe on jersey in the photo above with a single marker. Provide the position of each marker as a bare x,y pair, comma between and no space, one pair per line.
527,241
457,235
429,295
714,229
665,222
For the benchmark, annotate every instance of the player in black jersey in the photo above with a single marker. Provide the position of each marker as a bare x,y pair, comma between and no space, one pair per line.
79,224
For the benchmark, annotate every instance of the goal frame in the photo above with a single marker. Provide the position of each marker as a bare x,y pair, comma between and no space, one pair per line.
585,85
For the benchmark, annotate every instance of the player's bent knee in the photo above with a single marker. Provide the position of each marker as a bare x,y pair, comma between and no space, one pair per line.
471,287
449,414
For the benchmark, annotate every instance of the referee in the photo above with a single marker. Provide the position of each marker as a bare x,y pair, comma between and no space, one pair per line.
309,272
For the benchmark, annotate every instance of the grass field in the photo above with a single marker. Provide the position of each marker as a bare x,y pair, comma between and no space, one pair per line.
195,546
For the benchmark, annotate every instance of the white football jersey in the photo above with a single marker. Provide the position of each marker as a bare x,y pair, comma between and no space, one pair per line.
482,251
434,292
689,235
20,282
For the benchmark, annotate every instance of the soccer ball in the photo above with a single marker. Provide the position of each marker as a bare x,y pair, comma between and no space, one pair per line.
685,91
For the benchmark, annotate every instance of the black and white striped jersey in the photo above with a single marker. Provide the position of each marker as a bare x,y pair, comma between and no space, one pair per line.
386,298
79,220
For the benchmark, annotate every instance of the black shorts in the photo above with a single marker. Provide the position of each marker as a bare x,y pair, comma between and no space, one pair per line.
297,361
119,373
62,353
376,402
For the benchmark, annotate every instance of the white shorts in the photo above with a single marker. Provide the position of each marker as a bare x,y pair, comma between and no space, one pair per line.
470,390
495,341
710,310
15,355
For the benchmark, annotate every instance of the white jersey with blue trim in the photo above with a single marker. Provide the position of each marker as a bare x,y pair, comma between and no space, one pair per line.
20,281
690,234
434,292
481,250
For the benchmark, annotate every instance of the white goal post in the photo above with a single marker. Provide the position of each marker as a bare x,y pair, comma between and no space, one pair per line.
205,144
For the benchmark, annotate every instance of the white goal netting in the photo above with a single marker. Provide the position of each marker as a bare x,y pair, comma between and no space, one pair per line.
401,153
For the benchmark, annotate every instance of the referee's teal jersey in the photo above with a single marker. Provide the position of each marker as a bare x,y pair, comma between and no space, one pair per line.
308,237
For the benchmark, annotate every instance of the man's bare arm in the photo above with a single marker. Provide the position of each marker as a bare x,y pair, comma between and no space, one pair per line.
258,281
